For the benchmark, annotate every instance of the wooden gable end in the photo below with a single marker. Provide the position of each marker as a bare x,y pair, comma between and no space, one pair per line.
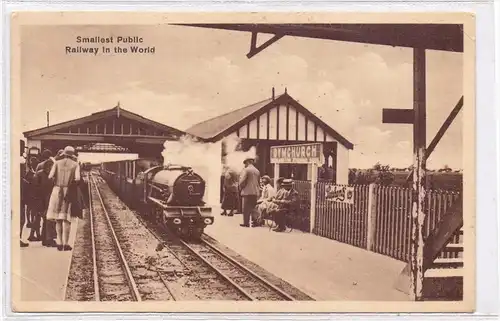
115,122
113,125
284,122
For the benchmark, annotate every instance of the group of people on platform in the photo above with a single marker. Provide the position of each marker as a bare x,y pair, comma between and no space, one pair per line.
52,193
259,199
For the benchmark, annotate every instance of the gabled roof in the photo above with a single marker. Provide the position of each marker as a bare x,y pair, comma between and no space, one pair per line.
113,112
212,127
216,128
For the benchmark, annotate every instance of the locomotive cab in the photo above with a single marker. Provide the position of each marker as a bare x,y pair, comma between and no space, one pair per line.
175,197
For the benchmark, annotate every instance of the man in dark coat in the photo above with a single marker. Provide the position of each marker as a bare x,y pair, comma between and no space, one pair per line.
286,200
249,187
230,188
24,188
45,187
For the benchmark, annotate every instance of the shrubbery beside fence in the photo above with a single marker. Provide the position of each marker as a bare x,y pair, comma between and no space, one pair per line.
380,218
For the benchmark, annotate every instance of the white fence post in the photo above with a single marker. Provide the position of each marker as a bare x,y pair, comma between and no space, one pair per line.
371,219
314,179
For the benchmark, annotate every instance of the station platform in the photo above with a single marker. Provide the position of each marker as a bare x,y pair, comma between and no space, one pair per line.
325,269
44,270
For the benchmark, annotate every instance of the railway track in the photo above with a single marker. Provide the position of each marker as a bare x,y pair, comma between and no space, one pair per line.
113,280
252,285
249,285
112,275
206,267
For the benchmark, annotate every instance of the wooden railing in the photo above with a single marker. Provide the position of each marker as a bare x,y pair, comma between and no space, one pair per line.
379,219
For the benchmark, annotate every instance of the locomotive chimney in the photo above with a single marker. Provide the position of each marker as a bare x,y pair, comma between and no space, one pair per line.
273,94
285,90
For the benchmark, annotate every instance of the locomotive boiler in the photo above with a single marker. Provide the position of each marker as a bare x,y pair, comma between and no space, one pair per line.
173,196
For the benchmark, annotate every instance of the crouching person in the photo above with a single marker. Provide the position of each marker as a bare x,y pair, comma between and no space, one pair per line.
286,200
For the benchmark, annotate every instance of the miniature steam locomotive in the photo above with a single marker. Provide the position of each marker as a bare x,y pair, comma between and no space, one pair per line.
170,195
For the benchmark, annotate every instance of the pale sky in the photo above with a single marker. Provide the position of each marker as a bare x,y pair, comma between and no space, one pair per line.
196,74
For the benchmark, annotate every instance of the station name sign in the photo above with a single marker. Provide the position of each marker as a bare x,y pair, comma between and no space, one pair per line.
298,154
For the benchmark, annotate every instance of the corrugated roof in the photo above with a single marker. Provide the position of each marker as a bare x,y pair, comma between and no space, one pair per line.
216,125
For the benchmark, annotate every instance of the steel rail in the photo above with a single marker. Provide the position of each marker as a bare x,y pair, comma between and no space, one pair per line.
255,275
128,274
220,273
97,294
165,283
162,279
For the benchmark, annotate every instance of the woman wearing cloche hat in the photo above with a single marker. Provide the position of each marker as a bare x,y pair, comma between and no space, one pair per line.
65,172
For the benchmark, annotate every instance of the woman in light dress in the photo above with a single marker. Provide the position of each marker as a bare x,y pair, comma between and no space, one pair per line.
66,173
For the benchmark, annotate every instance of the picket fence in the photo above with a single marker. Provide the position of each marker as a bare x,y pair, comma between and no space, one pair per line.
384,228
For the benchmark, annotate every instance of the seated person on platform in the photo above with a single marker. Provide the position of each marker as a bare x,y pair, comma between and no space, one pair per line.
287,199
270,204
267,193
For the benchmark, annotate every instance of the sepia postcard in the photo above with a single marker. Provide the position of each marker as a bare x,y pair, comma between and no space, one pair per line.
242,162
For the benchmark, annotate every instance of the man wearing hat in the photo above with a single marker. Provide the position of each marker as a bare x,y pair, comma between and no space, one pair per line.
249,187
286,200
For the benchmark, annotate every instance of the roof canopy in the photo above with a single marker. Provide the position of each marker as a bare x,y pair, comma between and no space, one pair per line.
114,125
446,37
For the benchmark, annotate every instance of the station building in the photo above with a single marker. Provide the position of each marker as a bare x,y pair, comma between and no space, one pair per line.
277,121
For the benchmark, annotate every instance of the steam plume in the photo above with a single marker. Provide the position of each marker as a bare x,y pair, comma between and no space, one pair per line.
204,158
234,157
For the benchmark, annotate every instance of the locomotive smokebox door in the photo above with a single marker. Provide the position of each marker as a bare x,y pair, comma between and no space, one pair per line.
177,193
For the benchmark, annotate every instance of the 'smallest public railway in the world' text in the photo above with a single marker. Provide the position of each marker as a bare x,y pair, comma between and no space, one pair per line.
111,39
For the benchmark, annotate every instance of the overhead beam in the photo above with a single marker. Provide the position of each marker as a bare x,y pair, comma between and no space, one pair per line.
105,151
398,116
99,138
253,44
445,37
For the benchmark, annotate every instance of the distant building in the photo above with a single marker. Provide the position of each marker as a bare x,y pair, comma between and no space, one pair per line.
280,120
